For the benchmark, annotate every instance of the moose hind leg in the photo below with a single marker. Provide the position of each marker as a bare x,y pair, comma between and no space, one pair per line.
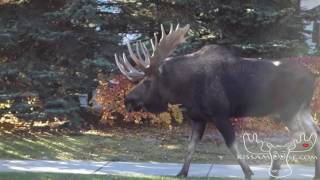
275,169
198,128
310,127
225,128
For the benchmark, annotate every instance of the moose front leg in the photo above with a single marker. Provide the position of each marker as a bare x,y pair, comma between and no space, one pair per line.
198,128
226,129
275,169
242,162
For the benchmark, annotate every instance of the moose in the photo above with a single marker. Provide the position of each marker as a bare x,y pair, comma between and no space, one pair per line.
214,84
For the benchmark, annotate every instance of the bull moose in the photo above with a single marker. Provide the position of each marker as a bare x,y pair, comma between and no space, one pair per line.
214,85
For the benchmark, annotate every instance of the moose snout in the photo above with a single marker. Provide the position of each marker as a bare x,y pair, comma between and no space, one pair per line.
132,105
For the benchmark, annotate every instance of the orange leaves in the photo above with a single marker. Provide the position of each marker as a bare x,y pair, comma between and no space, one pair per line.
111,96
176,112
315,104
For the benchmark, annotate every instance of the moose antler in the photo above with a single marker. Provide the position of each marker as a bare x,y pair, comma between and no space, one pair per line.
160,51
303,144
253,140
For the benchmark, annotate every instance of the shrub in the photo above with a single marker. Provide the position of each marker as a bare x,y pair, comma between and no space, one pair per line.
110,95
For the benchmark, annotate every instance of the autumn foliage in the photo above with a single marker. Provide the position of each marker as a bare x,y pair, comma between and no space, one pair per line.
111,96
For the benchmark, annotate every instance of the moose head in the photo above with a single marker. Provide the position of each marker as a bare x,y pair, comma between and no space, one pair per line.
147,93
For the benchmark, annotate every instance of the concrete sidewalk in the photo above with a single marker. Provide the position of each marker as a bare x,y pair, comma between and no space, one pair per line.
144,168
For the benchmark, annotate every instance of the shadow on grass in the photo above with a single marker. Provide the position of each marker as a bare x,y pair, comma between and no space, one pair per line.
97,147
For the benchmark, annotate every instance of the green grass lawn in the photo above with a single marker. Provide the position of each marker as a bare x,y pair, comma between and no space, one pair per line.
53,176
113,146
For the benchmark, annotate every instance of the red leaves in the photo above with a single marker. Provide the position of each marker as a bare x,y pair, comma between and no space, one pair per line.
111,96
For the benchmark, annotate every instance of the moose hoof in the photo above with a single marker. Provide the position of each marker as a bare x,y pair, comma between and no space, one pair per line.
182,174
248,177
248,174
